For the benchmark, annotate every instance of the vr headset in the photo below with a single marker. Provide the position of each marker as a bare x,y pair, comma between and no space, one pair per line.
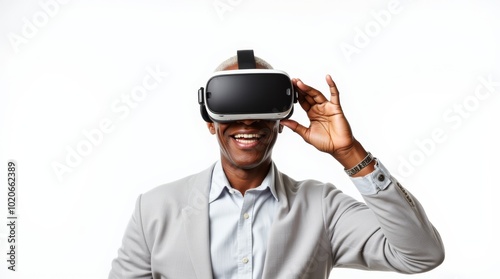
247,93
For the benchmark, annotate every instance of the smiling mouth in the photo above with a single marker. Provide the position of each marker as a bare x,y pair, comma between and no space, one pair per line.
247,138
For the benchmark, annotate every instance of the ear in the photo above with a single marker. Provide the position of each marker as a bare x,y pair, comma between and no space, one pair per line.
280,128
211,128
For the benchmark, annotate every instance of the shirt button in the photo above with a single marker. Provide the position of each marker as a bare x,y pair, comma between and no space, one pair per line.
381,177
246,215
245,260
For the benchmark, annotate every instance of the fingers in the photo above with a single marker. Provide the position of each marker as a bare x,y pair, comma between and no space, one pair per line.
302,101
334,92
309,94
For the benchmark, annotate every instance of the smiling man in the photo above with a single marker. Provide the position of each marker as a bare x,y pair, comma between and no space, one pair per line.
243,218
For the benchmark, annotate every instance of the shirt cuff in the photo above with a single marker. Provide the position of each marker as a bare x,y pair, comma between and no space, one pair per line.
372,183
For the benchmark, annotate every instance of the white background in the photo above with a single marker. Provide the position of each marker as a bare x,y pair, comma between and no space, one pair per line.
65,67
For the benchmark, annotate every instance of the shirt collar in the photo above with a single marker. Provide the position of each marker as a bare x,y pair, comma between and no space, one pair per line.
220,182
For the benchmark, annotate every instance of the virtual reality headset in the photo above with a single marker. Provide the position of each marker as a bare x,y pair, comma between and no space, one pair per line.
247,93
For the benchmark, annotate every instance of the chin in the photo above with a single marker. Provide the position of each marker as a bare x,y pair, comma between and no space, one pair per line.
250,164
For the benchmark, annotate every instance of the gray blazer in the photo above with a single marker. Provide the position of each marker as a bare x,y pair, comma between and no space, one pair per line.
316,228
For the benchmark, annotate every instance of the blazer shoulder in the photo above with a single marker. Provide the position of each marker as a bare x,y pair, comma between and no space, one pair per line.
180,189
304,187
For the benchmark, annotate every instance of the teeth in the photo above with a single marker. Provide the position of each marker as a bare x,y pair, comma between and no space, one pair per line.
246,136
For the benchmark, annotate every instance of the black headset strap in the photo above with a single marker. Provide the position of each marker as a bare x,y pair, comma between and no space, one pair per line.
246,59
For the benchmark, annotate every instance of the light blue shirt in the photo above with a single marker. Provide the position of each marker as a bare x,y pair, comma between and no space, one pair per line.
240,225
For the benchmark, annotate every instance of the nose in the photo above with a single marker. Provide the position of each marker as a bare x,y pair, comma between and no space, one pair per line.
248,121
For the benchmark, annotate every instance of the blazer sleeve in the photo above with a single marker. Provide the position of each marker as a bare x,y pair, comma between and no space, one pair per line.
134,256
390,232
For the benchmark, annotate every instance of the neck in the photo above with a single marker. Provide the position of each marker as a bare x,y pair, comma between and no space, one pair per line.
245,179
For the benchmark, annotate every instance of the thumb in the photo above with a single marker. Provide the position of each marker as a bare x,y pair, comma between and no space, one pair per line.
296,127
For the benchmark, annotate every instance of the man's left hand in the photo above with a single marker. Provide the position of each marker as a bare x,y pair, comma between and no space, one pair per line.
329,130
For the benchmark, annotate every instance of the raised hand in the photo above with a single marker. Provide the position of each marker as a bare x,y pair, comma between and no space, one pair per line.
329,130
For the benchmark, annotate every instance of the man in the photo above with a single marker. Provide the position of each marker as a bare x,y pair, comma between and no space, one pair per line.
242,218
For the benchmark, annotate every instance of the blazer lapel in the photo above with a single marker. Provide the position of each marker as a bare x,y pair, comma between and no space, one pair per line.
196,224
